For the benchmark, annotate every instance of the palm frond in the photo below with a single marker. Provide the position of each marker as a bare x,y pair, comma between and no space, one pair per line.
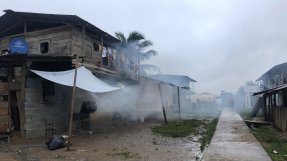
145,44
148,54
134,44
151,52
121,37
135,36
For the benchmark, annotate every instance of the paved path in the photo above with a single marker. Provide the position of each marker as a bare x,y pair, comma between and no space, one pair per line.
233,141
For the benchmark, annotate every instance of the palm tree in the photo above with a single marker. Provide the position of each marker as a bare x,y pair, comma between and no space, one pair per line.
136,43
135,49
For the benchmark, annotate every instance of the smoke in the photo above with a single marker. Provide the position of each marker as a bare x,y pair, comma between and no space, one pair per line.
145,101
206,105
210,41
121,100
127,103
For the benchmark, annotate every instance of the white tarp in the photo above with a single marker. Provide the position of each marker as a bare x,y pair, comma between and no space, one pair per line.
85,79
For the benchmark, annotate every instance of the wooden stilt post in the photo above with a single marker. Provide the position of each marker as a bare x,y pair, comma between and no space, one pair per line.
163,110
264,107
72,105
178,96
74,87
21,100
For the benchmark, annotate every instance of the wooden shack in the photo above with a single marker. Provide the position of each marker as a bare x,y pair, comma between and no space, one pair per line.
47,42
274,96
275,106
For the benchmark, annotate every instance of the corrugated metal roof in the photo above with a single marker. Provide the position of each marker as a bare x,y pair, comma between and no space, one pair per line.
274,70
272,90
12,18
177,80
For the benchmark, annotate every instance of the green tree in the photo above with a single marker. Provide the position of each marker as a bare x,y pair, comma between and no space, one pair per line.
136,43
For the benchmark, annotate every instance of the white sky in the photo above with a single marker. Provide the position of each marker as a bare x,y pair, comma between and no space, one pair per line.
219,43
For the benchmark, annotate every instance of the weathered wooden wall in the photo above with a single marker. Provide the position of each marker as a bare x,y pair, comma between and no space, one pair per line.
63,41
90,55
59,40
279,116
4,108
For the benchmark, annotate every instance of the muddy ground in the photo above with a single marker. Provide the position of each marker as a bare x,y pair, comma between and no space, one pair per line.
131,141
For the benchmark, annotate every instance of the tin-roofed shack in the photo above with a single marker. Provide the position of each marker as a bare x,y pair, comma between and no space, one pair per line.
273,100
47,42
169,91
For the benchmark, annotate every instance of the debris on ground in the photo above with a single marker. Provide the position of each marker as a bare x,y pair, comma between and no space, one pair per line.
56,142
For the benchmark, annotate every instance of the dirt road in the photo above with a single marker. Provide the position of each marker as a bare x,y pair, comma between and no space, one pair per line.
133,141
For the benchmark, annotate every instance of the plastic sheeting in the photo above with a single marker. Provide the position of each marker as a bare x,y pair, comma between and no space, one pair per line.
85,79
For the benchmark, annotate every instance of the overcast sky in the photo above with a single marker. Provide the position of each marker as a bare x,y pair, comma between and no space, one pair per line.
219,43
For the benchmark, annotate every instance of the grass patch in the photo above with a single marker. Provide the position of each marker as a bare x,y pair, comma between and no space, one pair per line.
270,140
187,127
181,128
208,133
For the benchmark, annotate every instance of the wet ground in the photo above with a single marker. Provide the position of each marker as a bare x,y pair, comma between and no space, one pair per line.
133,141
233,141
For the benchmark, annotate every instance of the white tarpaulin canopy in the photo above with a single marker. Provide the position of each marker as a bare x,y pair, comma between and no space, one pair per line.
85,79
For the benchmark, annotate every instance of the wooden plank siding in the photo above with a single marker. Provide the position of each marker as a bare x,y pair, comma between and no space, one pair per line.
59,39
91,58
279,115
63,41
4,87
4,108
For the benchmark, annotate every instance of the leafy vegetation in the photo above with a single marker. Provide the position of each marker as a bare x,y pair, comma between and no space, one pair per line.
135,44
274,145
208,133
178,128
187,127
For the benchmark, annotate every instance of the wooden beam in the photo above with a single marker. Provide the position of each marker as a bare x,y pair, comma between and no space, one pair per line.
38,32
162,104
21,100
74,94
83,40
178,96
25,27
74,90
264,107
94,67
72,107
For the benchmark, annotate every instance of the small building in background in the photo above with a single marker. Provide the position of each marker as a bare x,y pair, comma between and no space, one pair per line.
204,100
244,98
174,91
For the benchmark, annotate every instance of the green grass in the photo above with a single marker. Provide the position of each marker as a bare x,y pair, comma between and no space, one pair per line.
270,140
179,128
187,127
208,133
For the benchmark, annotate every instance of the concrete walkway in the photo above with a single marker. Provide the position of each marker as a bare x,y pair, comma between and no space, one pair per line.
233,141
